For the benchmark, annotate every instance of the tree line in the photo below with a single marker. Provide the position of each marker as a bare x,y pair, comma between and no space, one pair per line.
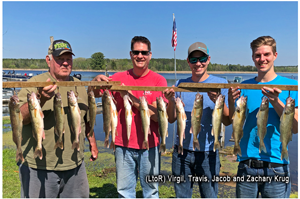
99,62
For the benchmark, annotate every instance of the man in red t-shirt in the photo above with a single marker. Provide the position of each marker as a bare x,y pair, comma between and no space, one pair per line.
130,156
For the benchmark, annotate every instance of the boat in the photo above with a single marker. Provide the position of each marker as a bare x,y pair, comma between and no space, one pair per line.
237,79
15,77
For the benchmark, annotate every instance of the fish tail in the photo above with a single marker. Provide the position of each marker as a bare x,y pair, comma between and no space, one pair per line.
19,155
196,145
106,143
180,150
237,150
262,147
38,153
75,145
284,154
146,145
162,148
59,144
112,145
217,145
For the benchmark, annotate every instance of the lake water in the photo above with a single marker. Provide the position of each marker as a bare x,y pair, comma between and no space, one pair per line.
99,133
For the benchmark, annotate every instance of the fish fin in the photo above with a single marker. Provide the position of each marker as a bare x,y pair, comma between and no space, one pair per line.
55,131
284,154
78,109
257,114
112,145
180,150
216,146
212,131
237,149
262,147
184,135
33,134
167,134
38,153
149,131
35,112
59,144
162,148
191,130
41,113
146,145
75,145
196,145
106,143
43,134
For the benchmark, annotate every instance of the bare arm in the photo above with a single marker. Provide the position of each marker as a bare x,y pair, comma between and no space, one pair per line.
92,142
233,94
171,107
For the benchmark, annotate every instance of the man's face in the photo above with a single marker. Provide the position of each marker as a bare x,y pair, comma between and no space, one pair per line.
198,68
60,67
140,61
263,58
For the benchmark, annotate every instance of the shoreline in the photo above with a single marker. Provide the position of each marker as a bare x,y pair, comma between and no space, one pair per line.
170,72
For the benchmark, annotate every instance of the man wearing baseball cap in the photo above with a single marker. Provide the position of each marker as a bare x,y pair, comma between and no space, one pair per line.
58,170
201,161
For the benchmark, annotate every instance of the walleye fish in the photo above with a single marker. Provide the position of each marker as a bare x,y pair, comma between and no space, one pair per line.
181,123
196,119
286,125
128,115
114,123
75,118
106,116
262,119
162,123
59,113
145,117
37,123
16,120
92,112
239,117
217,120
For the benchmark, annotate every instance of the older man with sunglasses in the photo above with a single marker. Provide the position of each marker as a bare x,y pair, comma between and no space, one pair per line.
203,163
132,159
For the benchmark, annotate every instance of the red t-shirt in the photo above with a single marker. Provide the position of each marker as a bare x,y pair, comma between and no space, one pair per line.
137,135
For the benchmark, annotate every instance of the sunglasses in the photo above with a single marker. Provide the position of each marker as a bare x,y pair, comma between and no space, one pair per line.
136,52
194,60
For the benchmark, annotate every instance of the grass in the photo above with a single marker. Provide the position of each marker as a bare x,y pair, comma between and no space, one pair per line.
102,173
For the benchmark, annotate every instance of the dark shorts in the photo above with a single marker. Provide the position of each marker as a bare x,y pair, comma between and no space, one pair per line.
38,183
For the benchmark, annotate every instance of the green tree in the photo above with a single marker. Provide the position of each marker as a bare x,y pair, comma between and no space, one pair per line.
97,62
113,65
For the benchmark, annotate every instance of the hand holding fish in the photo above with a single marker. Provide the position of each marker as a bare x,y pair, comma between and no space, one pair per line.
99,92
47,92
169,94
272,94
212,96
233,94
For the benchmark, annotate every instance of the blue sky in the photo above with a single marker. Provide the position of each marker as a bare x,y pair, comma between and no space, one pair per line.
227,28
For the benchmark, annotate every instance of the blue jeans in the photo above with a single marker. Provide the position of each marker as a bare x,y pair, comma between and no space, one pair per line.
275,189
205,164
133,162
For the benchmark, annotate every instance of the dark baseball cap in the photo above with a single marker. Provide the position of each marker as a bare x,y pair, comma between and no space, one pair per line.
198,46
59,47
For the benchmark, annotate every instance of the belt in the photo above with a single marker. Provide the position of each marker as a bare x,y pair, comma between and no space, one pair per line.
253,163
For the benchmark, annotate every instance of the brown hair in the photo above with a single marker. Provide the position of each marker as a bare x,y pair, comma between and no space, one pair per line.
263,41
142,40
